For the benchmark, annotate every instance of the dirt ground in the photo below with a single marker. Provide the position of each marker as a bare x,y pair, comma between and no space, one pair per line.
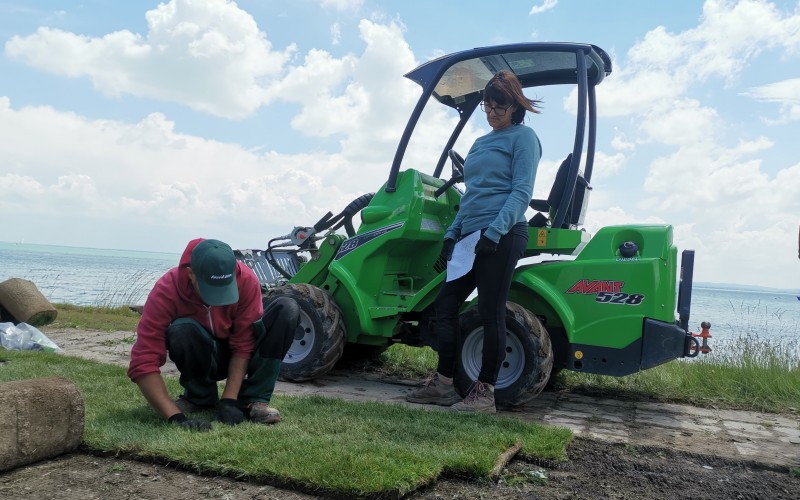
597,469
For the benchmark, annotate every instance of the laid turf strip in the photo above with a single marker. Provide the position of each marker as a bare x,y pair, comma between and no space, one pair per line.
323,445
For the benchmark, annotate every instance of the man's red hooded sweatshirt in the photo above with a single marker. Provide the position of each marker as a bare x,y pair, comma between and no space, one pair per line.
174,296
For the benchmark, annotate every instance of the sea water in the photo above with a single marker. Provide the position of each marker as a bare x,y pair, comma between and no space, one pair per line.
96,277
85,276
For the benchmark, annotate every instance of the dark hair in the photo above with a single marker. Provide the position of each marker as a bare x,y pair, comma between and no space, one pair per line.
504,88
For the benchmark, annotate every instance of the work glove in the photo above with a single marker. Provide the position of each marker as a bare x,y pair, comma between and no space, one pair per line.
447,249
190,424
485,246
229,413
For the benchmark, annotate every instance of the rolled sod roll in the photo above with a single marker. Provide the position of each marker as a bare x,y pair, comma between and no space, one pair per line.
26,303
39,418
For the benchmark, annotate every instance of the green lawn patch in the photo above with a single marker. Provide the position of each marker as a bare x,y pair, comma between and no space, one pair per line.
324,445
106,319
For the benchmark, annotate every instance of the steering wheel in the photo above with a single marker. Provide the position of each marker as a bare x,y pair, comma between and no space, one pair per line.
458,172
457,162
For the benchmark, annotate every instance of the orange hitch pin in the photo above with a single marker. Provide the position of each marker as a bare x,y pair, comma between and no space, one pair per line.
704,334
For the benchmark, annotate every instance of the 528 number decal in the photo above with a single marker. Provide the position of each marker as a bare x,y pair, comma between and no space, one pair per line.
606,292
633,299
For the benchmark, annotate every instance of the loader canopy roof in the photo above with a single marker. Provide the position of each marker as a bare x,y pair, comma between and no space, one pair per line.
468,72
457,80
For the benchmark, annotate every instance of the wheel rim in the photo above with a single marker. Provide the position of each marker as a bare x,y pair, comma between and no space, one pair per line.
303,340
511,367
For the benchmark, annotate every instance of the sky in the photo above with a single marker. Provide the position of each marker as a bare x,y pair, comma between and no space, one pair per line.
141,125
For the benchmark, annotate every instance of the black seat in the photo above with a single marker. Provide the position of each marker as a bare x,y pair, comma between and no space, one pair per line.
546,208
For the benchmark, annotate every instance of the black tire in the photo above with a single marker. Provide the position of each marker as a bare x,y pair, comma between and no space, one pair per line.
319,342
529,356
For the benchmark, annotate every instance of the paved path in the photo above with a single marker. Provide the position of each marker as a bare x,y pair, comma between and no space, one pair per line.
761,437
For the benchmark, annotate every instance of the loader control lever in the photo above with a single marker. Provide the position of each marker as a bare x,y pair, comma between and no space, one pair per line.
323,223
345,217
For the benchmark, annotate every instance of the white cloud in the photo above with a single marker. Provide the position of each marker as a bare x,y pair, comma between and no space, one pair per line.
730,34
616,215
170,177
621,143
711,184
663,66
336,33
146,173
364,100
342,5
606,165
546,5
684,122
786,93
737,252
629,92
208,55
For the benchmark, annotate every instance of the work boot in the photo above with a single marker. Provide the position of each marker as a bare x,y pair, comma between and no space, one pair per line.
435,391
262,413
479,399
186,406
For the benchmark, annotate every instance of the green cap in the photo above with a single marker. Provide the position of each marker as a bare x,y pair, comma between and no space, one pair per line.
214,266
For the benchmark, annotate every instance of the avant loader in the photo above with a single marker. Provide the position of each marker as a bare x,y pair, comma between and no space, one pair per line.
613,303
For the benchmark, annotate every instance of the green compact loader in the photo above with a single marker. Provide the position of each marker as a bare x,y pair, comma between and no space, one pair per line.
604,304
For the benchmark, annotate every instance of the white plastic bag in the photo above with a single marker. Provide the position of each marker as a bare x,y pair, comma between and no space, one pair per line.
24,337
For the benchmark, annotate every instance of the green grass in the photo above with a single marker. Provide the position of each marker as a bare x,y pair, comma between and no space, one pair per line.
105,319
323,446
407,362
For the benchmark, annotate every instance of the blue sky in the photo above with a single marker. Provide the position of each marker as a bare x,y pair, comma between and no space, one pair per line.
141,125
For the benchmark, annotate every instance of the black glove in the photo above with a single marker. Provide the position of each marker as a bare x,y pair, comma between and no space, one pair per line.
190,424
447,249
229,413
485,246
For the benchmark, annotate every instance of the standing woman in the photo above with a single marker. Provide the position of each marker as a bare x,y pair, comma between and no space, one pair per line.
499,172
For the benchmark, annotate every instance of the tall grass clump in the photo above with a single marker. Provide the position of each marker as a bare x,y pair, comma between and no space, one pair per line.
114,290
760,365
129,289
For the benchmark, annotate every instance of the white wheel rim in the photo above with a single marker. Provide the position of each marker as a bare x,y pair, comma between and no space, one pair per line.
510,369
301,345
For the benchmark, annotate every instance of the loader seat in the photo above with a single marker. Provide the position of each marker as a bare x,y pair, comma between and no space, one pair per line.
546,208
